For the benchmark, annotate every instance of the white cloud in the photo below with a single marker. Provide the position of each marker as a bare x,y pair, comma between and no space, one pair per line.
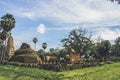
41,28
110,34
63,28
29,15
106,34
70,11
84,13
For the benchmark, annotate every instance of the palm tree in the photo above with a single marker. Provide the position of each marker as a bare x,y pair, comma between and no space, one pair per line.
7,23
44,45
35,40
3,40
1,51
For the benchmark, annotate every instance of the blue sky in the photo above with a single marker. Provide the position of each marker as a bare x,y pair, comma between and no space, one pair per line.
51,20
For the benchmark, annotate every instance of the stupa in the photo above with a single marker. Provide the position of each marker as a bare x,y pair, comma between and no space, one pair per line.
10,46
25,55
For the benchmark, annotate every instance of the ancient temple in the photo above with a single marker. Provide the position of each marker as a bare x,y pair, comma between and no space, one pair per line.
25,55
10,46
74,57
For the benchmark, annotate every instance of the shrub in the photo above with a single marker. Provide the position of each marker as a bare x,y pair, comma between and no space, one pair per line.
109,62
102,63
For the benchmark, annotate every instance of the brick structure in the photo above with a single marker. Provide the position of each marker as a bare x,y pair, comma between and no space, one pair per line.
50,59
74,57
25,55
10,46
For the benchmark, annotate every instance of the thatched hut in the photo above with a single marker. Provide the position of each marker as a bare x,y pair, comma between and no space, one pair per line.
25,55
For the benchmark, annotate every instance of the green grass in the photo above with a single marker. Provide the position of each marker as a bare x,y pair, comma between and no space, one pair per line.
105,72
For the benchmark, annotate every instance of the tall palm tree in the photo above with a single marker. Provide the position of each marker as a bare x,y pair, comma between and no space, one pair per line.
35,40
44,45
7,23
1,48
3,38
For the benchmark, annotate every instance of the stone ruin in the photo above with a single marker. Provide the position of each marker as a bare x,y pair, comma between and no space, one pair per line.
25,55
10,46
74,57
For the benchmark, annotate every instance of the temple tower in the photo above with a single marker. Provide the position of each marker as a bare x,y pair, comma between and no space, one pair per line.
10,46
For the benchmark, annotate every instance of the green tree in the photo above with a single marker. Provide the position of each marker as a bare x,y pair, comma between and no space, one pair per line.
35,40
116,47
79,40
44,45
56,52
94,52
41,54
63,52
104,49
7,23
52,50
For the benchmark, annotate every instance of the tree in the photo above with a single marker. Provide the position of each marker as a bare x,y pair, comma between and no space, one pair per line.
52,50
116,47
56,52
104,49
41,51
94,53
63,52
35,40
113,51
115,0
41,54
78,40
44,45
7,23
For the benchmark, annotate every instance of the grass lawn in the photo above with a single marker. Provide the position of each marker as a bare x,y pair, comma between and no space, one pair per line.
105,72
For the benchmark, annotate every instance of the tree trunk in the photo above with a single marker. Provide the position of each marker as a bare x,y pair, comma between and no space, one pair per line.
35,46
1,58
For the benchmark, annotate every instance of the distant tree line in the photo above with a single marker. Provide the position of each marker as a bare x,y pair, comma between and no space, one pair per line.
80,41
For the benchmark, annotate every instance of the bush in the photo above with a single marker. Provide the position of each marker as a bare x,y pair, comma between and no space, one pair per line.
109,62
102,63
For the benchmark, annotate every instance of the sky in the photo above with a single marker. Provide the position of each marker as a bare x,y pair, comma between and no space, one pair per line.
51,20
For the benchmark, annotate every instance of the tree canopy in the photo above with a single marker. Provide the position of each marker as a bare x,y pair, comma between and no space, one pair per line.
7,23
103,49
44,45
79,40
